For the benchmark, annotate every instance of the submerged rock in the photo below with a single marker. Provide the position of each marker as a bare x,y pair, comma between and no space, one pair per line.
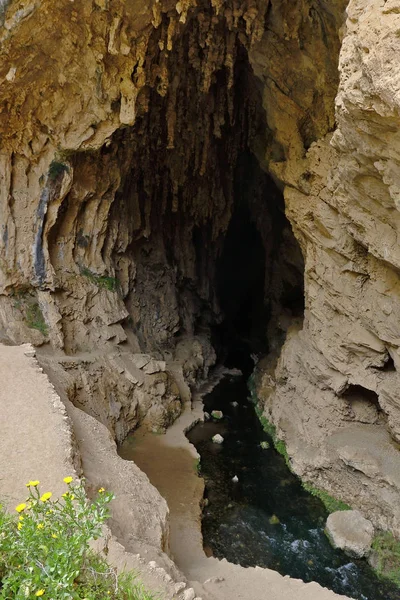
217,414
235,479
217,439
264,445
351,532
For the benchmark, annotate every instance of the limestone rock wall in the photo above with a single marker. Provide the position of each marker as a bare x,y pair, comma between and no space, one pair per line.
121,127
335,394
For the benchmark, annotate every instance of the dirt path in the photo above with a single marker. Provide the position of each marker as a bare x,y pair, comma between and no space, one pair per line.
170,462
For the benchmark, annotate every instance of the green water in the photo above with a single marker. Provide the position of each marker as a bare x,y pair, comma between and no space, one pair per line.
267,518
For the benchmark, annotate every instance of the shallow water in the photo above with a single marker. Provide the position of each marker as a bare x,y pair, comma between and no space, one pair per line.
267,518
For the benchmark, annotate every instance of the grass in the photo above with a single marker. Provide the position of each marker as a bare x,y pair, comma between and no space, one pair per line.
102,281
386,554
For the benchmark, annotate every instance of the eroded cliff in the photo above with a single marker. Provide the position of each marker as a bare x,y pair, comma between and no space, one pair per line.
149,151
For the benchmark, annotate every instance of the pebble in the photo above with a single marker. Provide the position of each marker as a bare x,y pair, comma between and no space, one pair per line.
217,439
235,479
234,404
207,416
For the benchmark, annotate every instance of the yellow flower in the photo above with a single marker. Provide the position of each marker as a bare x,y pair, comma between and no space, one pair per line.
21,518
53,535
46,496
40,526
39,593
20,507
19,526
33,483
68,479
101,490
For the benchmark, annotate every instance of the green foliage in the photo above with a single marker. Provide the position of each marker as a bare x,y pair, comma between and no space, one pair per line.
34,318
45,552
30,309
386,555
102,281
331,504
56,168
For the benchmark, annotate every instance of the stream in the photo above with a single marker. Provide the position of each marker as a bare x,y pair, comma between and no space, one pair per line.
267,518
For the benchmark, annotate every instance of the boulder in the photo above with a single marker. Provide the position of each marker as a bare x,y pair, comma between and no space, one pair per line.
351,532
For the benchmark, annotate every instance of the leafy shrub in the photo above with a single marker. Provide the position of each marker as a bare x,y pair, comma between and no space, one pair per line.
45,551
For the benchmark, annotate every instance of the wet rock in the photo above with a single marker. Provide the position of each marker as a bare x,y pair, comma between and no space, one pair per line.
351,532
274,520
207,416
217,439
234,404
235,479
217,414
264,445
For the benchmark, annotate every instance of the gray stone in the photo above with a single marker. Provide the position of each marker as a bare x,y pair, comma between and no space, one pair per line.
217,439
351,532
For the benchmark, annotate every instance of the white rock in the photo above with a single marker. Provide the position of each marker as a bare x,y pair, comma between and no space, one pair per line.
235,479
189,594
217,439
178,587
351,532
234,404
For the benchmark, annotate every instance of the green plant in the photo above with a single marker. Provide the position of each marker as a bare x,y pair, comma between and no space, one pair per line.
34,318
102,281
45,552
331,503
386,557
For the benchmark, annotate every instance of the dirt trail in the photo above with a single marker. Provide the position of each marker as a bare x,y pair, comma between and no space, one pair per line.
170,462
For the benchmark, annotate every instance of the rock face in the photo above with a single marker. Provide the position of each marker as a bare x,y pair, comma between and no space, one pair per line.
351,532
146,150
334,392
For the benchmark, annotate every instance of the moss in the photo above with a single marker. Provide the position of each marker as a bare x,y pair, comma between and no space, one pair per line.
386,557
269,428
102,281
331,504
56,168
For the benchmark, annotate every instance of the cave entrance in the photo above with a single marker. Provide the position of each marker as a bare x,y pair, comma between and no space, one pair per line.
209,250
259,271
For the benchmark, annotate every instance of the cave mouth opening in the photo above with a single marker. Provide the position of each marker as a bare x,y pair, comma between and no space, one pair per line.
258,274
197,235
